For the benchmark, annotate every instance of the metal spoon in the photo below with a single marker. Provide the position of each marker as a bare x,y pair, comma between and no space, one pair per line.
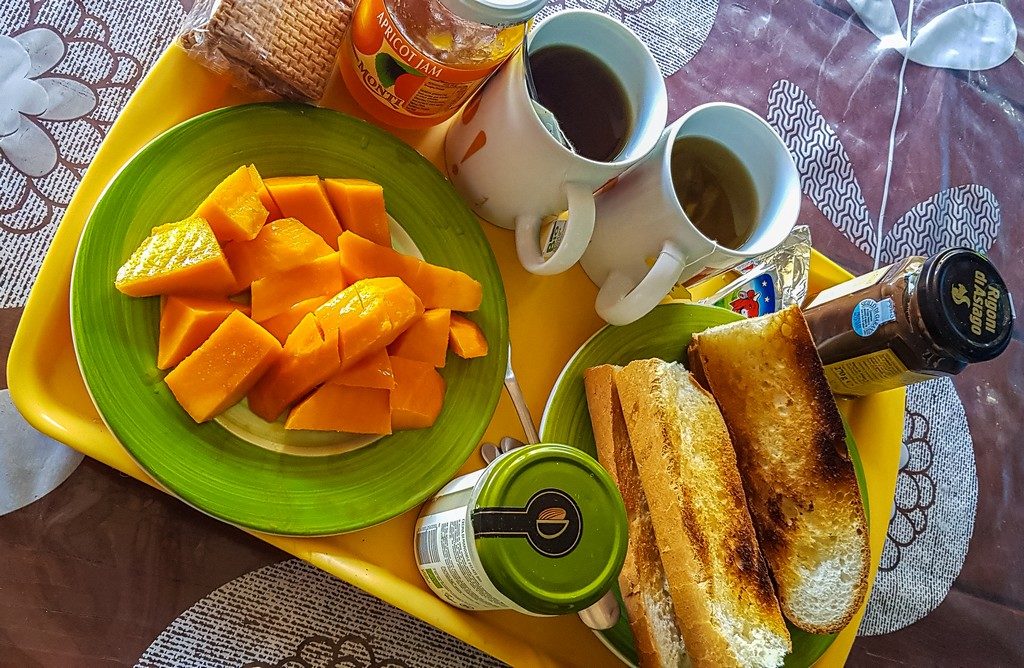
489,451
602,615
519,402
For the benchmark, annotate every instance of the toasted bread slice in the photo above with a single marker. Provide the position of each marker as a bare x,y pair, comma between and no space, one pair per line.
642,582
719,582
790,444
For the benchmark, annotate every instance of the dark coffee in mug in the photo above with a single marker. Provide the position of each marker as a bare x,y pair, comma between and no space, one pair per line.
715,190
586,97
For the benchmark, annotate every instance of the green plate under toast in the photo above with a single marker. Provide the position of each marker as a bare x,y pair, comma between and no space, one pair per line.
663,333
206,465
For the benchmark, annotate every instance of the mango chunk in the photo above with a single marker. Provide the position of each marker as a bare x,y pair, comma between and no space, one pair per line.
282,324
303,197
418,395
219,373
273,213
278,292
441,287
426,339
361,258
185,322
359,205
369,315
393,298
180,258
373,371
309,358
233,209
436,286
359,410
466,338
279,246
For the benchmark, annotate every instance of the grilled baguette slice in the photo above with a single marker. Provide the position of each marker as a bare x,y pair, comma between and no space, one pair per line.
790,444
726,606
642,582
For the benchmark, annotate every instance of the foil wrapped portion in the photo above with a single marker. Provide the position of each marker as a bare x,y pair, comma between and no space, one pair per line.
771,281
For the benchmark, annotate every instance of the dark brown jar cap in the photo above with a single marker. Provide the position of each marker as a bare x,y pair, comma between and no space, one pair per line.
965,304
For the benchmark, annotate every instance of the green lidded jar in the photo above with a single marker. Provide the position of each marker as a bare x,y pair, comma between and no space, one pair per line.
541,530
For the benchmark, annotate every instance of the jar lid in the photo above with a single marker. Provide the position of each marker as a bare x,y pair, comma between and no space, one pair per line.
965,304
495,12
550,528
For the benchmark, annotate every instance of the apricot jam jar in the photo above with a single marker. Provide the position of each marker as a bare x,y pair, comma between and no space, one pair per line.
413,63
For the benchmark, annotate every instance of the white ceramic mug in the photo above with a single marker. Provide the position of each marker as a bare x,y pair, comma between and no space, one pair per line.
510,169
640,218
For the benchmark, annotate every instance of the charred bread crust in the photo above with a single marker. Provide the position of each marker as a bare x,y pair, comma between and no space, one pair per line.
641,580
815,480
703,528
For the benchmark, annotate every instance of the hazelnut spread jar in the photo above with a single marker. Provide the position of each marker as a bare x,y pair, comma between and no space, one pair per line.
914,320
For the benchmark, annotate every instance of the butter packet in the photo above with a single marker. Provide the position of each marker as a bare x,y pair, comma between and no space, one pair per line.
769,282
752,297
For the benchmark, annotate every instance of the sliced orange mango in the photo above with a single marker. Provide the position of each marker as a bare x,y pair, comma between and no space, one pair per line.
394,299
185,322
369,315
361,258
282,324
466,338
441,287
273,213
373,371
426,339
418,395
278,292
219,373
436,286
280,245
233,209
309,358
359,410
180,258
359,205
303,197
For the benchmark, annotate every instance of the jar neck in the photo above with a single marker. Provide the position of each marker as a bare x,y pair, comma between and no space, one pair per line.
446,37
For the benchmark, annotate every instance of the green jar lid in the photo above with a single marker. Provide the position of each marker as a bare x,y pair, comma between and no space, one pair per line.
550,528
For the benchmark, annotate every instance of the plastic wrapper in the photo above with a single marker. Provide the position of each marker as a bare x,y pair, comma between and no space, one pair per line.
287,48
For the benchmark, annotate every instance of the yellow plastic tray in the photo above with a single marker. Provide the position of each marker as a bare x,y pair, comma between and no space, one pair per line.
550,317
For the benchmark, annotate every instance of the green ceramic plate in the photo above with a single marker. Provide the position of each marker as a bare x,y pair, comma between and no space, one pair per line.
663,333
205,464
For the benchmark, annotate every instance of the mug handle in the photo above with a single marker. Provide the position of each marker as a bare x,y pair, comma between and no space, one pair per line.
620,302
578,230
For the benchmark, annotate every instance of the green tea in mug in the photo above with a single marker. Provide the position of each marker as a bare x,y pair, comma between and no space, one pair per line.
715,190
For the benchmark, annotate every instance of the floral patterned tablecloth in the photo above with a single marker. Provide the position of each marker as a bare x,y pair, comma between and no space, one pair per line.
908,135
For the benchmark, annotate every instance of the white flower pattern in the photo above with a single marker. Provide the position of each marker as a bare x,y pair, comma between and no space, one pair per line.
674,30
28,96
67,68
